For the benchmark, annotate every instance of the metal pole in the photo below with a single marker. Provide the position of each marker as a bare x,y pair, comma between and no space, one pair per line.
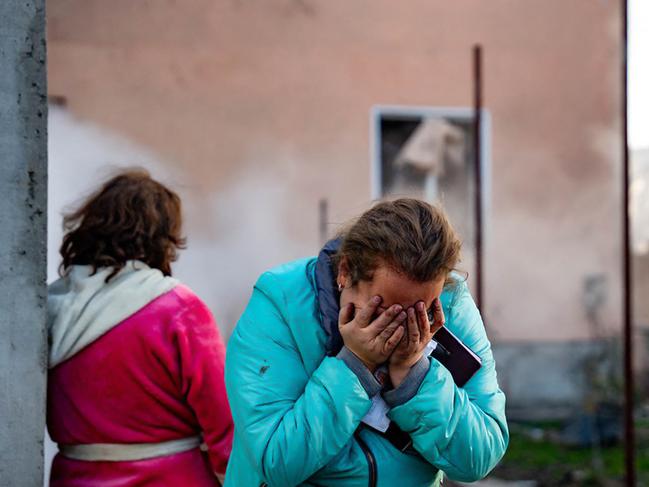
629,433
477,168
323,211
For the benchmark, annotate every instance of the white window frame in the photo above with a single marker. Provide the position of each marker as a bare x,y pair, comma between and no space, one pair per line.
463,114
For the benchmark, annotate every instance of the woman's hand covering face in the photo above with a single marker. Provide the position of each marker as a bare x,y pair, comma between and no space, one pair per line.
372,338
419,333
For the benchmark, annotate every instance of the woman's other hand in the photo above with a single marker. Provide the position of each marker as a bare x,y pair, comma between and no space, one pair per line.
371,340
411,347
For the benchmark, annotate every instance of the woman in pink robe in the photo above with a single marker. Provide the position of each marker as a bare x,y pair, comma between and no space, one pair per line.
136,360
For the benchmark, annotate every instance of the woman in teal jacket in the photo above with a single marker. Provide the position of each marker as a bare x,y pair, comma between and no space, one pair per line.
329,375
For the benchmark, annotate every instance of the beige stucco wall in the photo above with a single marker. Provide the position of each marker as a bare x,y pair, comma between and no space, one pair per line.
240,94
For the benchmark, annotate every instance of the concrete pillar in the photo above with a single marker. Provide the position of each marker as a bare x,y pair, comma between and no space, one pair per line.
23,218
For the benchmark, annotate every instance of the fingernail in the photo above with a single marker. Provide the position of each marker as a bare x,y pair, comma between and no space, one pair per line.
397,308
402,315
420,306
376,299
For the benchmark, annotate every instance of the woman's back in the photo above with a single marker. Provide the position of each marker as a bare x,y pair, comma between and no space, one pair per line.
147,380
135,358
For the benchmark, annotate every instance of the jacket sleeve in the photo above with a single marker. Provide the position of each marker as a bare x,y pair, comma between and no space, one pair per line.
202,358
461,431
290,423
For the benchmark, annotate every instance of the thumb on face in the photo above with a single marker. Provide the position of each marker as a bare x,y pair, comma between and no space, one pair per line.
346,314
439,319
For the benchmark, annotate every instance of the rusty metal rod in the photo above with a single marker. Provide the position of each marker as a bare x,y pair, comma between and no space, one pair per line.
323,220
629,427
477,168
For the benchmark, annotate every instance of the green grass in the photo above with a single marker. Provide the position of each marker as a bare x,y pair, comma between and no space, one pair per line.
554,464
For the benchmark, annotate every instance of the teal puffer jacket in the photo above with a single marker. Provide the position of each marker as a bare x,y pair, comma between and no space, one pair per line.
297,411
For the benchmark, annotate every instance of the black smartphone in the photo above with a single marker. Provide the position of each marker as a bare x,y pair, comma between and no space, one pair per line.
459,359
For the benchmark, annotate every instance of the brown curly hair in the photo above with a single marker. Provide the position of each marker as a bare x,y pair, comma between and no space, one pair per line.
130,217
407,234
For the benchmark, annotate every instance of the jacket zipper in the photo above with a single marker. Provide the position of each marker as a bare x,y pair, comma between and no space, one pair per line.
371,462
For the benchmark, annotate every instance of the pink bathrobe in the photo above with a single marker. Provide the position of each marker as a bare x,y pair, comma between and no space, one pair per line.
155,376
